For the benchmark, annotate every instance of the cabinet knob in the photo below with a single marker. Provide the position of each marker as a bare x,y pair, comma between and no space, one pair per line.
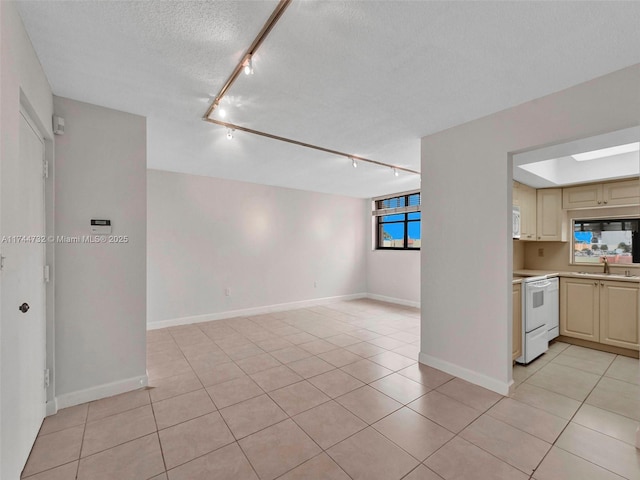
601,284
605,202
599,202
595,284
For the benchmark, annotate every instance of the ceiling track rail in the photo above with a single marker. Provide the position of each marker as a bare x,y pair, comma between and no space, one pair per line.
308,145
262,35
264,32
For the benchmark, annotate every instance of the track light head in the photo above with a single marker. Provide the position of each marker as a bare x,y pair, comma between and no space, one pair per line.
229,133
354,164
222,112
248,67
395,172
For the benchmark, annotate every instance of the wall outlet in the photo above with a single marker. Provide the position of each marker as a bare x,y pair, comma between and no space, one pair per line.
541,252
227,292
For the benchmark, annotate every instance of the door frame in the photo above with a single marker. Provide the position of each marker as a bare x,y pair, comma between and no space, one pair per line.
24,113
49,203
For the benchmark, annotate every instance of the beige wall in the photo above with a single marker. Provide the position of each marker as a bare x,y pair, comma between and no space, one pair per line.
519,248
100,172
269,245
394,275
466,184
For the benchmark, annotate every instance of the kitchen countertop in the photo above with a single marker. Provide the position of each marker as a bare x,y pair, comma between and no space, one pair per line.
555,273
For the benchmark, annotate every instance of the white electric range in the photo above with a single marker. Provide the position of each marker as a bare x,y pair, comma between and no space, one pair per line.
540,315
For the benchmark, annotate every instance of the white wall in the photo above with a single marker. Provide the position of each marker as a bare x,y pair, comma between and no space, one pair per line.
267,244
466,178
22,80
394,275
101,289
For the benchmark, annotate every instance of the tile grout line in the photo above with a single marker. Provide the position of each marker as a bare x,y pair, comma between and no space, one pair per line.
289,417
86,420
582,403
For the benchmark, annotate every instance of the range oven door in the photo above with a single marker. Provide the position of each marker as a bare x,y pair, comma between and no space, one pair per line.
537,304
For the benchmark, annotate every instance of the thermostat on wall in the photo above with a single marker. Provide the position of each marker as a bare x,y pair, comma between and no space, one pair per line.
101,227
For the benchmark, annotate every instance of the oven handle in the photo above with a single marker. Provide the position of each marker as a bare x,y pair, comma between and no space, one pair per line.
539,285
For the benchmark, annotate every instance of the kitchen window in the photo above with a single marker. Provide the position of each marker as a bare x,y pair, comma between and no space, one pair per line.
615,238
397,222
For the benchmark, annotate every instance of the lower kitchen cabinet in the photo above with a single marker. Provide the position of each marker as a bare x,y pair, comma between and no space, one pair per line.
619,313
580,308
603,311
517,321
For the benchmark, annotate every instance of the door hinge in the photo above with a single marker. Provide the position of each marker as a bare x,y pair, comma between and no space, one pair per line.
47,378
2,258
45,169
46,274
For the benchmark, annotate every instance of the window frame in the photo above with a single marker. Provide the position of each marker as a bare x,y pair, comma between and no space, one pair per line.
405,210
576,217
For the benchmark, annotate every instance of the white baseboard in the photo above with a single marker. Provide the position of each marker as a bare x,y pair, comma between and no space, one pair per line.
397,301
51,407
101,391
280,307
464,373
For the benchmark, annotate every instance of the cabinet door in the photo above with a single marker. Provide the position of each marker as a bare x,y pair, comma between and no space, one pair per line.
517,322
622,193
619,314
552,222
579,308
584,196
528,215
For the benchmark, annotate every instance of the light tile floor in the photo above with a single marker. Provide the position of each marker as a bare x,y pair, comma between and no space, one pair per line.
335,392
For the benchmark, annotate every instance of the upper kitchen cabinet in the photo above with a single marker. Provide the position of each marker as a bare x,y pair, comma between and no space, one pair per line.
551,218
611,194
621,193
526,198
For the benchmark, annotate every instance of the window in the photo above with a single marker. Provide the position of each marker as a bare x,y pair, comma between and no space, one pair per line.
397,221
617,239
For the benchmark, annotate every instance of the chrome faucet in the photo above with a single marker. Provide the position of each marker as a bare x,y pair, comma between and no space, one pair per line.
606,266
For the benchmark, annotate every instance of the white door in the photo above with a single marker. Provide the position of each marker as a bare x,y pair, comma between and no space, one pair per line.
23,333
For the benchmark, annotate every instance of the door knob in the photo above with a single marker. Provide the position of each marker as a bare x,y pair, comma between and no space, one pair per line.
24,307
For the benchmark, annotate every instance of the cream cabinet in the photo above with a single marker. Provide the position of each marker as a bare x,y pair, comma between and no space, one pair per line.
603,311
517,321
621,193
551,218
611,194
580,308
619,313
528,212
584,196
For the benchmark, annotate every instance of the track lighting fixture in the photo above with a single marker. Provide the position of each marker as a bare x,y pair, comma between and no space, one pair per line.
248,67
245,64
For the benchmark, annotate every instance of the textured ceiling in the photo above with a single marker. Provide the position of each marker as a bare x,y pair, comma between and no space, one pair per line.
368,78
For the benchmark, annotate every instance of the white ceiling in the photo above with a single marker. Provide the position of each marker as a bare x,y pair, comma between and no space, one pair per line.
554,166
367,78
